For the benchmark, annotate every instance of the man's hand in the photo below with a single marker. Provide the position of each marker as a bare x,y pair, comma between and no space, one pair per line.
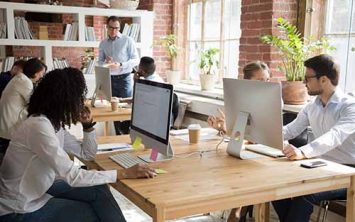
114,65
293,153
217,122
139,171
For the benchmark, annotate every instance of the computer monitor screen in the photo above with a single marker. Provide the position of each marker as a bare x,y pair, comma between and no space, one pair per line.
103,83
151,113
262,101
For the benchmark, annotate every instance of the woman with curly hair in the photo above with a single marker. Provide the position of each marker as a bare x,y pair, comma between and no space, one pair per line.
38,181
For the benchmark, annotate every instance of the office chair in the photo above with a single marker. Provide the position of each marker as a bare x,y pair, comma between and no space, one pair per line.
336,206
175,109
324,206
301,139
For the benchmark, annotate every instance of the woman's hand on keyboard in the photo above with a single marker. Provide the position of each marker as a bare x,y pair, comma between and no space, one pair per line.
140,171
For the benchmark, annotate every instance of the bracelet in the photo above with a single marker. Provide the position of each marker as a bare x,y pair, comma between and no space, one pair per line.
88,125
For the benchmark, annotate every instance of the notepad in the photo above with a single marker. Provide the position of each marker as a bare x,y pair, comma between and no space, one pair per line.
114,146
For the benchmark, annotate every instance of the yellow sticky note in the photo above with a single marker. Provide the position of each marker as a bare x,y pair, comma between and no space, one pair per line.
137,142
160,171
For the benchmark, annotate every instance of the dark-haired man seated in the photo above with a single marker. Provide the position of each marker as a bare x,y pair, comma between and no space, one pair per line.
146,69
332,119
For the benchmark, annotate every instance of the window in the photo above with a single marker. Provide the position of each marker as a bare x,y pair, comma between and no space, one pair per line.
214,24
340,29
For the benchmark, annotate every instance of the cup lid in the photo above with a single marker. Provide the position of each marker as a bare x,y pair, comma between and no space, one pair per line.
194,126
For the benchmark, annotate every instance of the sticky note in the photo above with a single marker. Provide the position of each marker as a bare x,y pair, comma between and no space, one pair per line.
137,142
160,171
154,155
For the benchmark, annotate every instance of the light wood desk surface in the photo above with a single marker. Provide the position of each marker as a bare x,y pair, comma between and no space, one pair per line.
217,181
105,114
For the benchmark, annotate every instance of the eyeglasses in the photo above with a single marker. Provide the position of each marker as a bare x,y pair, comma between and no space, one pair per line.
114,28
306,78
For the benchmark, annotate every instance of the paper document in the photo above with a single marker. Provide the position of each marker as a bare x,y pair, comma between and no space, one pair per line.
114,146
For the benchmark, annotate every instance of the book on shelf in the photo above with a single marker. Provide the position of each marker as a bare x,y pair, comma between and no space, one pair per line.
60,63
132,30
71,32
90,67
3,30
90,34
22,30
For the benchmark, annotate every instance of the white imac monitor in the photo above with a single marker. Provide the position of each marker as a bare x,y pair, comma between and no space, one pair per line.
103,84
253,112
150,119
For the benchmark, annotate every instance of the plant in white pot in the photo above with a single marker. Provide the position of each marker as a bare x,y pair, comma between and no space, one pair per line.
169,43
294,50
208,65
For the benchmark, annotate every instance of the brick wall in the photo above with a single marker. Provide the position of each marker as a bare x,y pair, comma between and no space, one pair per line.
259,18
162,26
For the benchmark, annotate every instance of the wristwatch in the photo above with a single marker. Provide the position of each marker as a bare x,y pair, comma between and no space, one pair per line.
120,64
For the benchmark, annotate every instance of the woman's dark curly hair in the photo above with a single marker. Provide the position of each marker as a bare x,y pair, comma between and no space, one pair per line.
59,96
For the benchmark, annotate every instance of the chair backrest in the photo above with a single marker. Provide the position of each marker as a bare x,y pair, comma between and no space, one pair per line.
175,108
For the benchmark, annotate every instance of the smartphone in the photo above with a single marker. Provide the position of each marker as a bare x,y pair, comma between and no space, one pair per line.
313,164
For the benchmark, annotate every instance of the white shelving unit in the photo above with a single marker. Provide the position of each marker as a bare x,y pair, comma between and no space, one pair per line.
142,17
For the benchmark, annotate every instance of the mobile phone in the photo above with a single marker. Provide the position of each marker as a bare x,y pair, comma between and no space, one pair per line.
313,164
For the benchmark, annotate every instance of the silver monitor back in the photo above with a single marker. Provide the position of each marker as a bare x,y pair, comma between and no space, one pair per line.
262,100
103,84
151,113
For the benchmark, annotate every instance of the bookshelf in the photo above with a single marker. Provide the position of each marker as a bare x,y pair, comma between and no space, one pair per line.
142,17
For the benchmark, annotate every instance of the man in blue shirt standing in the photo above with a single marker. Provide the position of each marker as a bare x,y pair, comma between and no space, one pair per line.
331,116
5,77
119,53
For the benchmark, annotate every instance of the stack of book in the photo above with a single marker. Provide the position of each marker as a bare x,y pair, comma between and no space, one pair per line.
71,32
90,34
22,30
2,30
90,67
132,30
60,63
8,63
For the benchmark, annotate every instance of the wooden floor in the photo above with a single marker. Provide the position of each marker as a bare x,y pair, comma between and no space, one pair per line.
133,214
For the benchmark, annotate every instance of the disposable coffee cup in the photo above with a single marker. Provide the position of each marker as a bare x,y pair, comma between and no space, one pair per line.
114,103
194,133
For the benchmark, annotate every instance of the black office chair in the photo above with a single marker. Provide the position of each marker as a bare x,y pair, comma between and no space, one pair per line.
175,109
301,139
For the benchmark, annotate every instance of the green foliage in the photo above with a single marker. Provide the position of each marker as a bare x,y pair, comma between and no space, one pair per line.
169,43
208,60
294,49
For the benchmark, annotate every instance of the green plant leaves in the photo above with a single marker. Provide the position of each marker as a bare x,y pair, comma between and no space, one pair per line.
294,49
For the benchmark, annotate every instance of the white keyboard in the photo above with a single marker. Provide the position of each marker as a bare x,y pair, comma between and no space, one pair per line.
266,150
126,160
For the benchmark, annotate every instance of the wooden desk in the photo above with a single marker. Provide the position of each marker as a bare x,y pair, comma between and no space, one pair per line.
105,114
217,181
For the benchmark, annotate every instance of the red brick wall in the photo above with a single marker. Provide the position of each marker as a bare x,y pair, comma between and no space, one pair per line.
162,26
163,10
259,18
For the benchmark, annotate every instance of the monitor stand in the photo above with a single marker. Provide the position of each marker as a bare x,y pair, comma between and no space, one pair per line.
93,98
236,143
161,157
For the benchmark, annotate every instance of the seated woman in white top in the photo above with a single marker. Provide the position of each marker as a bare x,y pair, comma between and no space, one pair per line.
254,71
38,181
15,97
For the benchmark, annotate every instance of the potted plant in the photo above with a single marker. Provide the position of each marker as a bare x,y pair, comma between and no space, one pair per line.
208,65
294,50
169,43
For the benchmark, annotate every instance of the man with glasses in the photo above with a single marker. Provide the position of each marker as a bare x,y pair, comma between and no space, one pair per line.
119,53
331,116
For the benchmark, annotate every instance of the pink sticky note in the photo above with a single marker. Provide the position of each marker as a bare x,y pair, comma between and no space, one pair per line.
154,155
